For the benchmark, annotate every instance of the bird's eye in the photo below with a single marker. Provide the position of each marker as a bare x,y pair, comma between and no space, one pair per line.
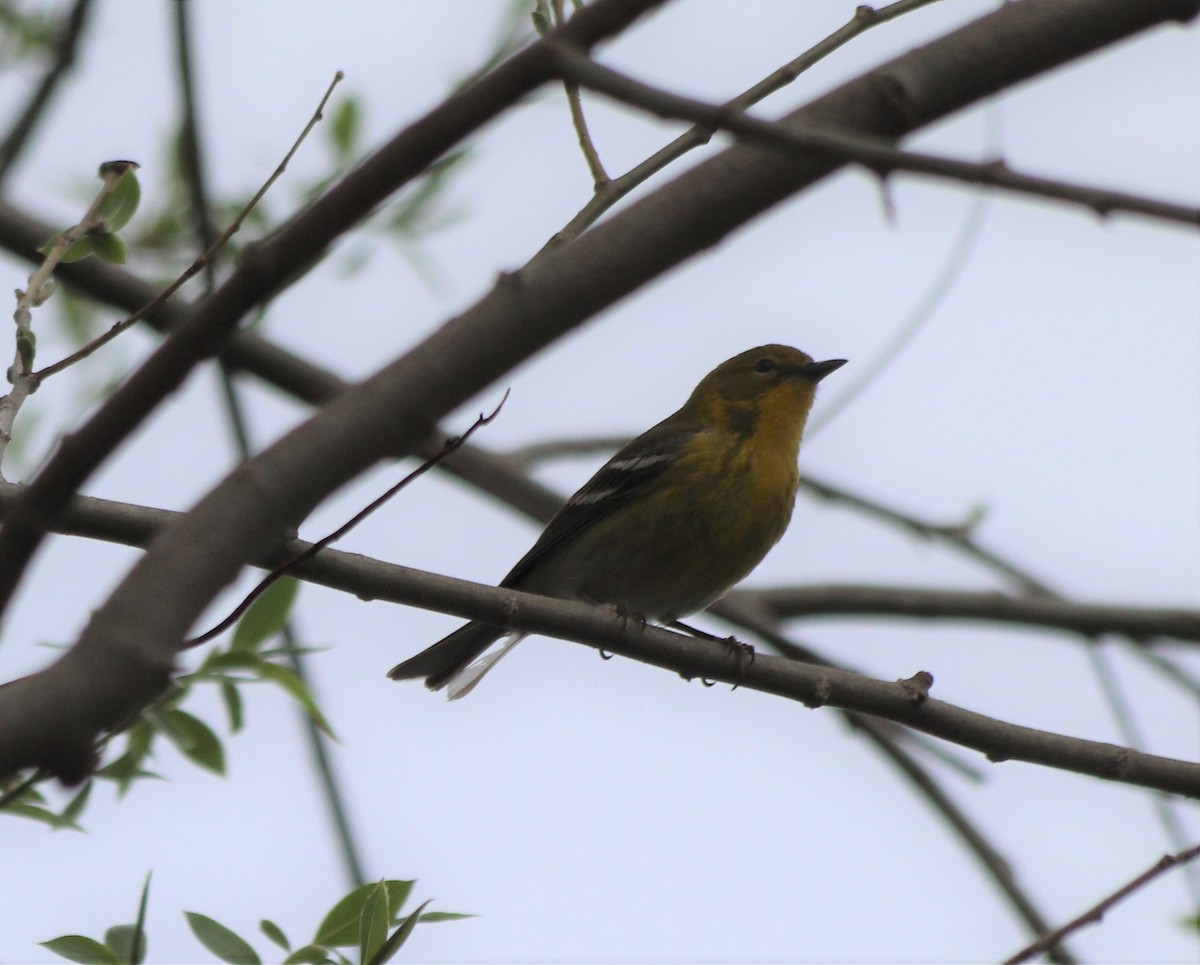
764,365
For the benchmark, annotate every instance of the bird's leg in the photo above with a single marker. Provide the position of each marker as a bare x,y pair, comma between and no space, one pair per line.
742,652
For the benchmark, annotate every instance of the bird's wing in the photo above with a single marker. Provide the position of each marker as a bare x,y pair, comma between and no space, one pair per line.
628,474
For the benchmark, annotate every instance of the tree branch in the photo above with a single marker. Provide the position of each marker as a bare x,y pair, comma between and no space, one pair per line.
268,267
875,154
126,653
1089,619
813,685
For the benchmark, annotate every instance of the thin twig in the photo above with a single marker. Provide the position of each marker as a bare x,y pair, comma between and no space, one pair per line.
65,48
876,154
300,558
864,18
24,380
1097,911
204,259
595,167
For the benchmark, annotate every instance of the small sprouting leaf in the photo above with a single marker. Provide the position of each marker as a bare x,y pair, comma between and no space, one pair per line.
233,705
194,738
78,250
109,247
227,945
275,933
121,203
291,682
345,126
26,347
266,615
78,948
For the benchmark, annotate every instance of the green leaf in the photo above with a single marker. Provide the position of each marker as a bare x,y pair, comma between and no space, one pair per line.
109,247
77,250
275,933
27,347
344,127
75,806
290,681
398,938
36,812
266,615
128,767
233,706
139,935
433,916
228,946
120,939
341,925
77,948
122,202
373,923
194,738
308,955
230,660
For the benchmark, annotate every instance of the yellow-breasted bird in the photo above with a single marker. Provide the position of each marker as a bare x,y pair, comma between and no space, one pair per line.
674,519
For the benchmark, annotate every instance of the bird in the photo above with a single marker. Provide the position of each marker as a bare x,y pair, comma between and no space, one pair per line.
674,519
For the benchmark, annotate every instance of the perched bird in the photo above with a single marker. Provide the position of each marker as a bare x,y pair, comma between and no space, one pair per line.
674,519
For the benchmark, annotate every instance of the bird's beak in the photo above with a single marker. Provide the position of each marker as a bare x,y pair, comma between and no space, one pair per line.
818,370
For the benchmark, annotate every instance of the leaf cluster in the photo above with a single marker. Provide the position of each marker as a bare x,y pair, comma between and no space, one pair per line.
368,918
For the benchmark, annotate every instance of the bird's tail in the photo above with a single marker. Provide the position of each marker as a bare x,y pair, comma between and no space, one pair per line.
451,661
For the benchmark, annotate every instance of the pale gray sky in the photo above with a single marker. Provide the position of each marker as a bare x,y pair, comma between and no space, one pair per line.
609,811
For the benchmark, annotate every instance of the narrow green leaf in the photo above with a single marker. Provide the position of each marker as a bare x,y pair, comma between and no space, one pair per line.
36,812
121,204
291,682
233,705
227,945
138,954
398,937
219,660
433,916
266,615
275,933
344,127
76,805
308,955
194,738
373,922
109,247
77,948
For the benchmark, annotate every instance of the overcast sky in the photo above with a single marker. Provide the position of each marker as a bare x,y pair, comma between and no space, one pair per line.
609,811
